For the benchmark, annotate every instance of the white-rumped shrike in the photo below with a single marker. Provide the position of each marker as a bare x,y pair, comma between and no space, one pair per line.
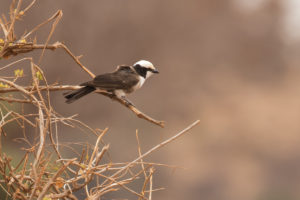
124,80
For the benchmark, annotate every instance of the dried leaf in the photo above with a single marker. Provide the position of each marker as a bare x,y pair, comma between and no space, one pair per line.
59,182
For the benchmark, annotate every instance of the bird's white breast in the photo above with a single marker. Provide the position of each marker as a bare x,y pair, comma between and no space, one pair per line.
119,93
139,84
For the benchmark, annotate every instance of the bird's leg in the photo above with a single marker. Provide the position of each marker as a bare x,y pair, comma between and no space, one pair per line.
111,95
128,103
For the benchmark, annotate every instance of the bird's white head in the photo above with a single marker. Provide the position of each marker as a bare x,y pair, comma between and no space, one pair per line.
145,68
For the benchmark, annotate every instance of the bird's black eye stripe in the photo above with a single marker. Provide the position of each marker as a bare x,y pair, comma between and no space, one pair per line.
140,70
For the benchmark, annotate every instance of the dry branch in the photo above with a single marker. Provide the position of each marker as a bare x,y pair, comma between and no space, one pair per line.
154,149
73,87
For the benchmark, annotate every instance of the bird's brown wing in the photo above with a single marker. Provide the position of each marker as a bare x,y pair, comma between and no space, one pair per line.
121,79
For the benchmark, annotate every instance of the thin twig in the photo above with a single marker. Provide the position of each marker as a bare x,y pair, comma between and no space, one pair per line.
151,183
140,152
58,13
15,62
15,13
77,60
10,100
57,18
29,6
41,117
52,180
155,148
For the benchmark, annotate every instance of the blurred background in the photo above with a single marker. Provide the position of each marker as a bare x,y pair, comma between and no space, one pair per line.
232,64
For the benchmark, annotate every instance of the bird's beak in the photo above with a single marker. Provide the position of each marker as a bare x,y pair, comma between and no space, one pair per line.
155,71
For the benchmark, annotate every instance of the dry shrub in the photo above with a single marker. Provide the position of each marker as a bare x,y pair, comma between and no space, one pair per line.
43,172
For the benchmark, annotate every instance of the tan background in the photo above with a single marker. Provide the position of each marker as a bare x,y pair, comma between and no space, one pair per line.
232,64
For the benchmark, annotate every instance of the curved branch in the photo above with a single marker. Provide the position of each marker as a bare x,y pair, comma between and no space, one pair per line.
135,110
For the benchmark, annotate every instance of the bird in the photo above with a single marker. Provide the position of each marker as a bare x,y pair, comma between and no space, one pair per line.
124,80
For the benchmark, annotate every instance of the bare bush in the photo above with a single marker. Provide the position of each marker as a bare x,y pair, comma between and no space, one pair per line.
43,172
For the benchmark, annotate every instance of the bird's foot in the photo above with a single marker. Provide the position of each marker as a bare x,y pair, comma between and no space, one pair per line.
111,95
127,102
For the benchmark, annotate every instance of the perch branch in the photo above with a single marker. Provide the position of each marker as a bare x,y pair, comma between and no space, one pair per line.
136,111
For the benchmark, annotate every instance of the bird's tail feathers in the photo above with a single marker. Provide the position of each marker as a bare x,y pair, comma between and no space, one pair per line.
73,96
